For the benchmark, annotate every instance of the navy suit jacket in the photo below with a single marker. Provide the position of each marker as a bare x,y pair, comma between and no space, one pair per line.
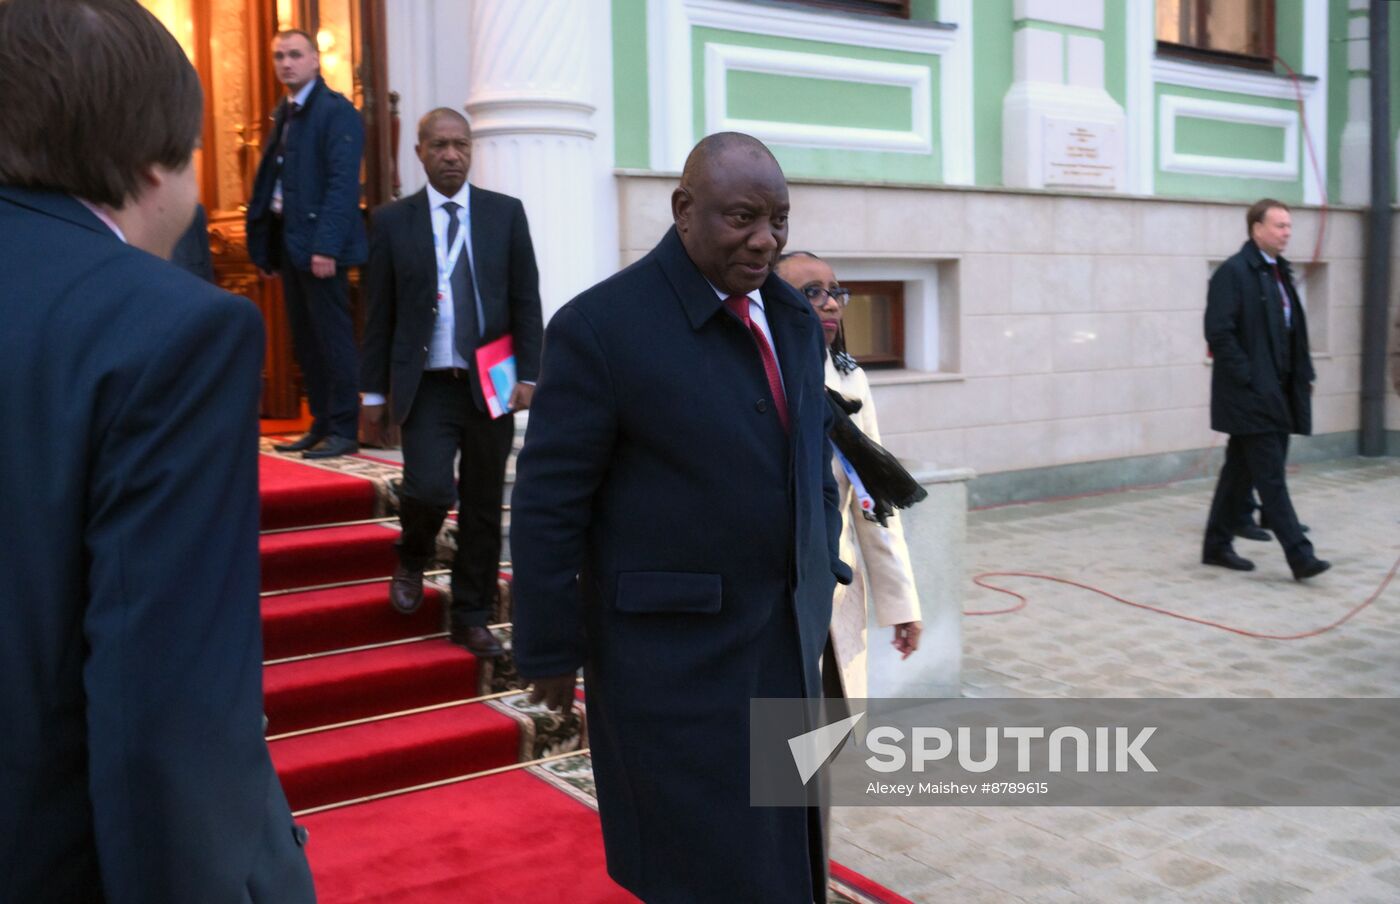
133,766
668,535
320,186
401,285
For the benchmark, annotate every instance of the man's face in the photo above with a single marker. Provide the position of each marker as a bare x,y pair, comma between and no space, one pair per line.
295,61
733,219
445,147
1271,233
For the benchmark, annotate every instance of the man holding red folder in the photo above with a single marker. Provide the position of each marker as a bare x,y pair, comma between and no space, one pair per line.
453,292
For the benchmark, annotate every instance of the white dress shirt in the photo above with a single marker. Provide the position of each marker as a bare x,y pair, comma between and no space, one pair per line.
106,220
1282,291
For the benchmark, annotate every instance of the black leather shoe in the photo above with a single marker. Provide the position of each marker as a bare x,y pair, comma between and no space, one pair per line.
478,640
406,590
1227,558
1254,532
333,447
307,441
1309,568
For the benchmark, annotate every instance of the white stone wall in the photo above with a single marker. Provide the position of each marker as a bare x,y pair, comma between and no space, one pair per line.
1077,329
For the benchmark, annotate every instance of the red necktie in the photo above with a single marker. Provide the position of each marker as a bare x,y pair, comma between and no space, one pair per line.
739,304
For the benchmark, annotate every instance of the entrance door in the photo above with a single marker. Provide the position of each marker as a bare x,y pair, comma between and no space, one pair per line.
230,42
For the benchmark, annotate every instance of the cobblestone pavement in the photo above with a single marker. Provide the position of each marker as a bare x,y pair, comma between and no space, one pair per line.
1145,545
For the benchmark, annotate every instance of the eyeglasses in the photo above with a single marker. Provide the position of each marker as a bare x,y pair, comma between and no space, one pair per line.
814,294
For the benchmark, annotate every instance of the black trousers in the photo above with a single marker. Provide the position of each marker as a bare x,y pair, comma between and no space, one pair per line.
1255,460
444,421
323,340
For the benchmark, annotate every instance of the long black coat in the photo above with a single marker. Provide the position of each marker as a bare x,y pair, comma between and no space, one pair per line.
668,534
133,766
401,285
1245,330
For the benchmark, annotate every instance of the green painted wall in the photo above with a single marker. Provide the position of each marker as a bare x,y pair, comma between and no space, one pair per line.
822,163
1196,185
991,73
1336,94
631,110
1288,34
781,98
1115,51
923,10
1241,140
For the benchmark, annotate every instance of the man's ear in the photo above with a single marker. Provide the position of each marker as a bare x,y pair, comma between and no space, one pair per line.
681,204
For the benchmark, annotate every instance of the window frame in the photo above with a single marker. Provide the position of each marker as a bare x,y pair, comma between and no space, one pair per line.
888,9
1196,53
894,289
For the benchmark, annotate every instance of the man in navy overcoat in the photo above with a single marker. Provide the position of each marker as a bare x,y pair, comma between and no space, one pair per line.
133,768
674,532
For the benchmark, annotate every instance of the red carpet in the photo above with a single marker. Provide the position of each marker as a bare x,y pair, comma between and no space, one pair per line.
298,623
327,555
331,689
347,763
294,494
503,839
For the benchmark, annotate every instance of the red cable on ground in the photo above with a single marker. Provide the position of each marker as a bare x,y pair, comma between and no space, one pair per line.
1317,167
980,581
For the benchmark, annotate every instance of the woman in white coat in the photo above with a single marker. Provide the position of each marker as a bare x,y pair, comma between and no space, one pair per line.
883,578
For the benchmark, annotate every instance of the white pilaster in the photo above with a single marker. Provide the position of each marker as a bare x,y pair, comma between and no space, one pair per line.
533,105
1060,128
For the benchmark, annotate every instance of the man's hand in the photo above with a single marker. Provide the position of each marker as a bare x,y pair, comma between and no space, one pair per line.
557,692
374,422
322,267
906,637
521,396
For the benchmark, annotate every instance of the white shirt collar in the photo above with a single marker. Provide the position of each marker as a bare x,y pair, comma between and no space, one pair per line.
756,296
1265,255
106,220
463,197
300,97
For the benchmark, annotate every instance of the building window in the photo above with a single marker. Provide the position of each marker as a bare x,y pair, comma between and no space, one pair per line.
1235,32
897,8
874,323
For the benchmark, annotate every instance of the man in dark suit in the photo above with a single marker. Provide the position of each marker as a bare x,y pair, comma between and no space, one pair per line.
304,222
133,768
674,531
1260,389
451,268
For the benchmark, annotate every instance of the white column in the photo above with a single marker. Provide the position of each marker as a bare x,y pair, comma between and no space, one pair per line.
533,101
1060,128
1356,135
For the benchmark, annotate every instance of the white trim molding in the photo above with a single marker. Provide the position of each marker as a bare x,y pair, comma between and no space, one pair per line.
1174,107
722,59
1230,79
670,54
1142,44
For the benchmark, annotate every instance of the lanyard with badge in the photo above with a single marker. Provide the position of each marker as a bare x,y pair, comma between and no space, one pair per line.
447,259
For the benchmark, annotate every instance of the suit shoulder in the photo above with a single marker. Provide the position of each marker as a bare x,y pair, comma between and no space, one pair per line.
497,198
392,211
637,284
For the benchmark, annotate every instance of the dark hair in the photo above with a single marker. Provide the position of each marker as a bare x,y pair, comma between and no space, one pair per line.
92,92
289,32
1258,210
786,255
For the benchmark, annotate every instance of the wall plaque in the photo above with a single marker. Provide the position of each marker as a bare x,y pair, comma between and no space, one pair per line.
1082,154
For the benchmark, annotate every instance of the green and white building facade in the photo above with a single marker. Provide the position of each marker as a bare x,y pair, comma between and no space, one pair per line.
1029,194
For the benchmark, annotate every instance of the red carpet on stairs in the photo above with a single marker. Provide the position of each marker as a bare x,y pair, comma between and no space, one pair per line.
330,766
327,555
295,494
295,624
331,689
503,839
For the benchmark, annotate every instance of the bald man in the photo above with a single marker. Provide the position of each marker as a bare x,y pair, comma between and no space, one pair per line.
674,533
451,268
